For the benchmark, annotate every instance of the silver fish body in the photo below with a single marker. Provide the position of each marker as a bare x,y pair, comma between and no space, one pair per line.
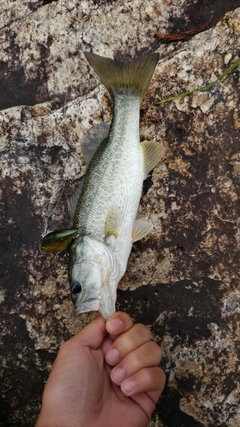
109,202
105,225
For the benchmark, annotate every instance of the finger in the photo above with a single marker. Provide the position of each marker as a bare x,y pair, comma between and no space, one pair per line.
149,383
127,342
150,380
107,343
119,323
92,335
148,355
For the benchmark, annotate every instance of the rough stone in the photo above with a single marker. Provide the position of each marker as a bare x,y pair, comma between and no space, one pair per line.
183,278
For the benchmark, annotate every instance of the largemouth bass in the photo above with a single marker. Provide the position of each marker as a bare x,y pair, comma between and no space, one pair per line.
105,224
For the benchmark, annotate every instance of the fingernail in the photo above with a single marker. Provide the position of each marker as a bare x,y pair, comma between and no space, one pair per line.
118,375
128,386
112,356
115,325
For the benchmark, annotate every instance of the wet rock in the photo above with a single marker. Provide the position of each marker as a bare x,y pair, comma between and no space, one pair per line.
183,278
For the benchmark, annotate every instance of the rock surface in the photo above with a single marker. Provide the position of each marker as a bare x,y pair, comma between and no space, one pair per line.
183,278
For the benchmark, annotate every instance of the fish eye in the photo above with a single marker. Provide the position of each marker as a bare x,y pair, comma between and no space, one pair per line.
76,287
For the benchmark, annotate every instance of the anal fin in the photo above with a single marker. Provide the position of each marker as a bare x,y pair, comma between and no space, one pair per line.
153,152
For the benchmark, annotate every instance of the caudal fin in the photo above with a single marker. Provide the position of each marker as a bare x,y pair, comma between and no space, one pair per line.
134,75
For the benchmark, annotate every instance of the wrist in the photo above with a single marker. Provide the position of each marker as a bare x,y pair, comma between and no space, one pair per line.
51,419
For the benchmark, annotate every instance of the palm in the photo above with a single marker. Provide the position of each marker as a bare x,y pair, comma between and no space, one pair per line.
113,407
121,410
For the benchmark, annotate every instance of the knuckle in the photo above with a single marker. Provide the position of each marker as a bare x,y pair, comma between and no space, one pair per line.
149,377
155,349
122,345
143,330
155,376
161,379
126,318
164,378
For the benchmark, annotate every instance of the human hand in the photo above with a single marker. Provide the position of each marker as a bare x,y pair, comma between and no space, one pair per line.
107,375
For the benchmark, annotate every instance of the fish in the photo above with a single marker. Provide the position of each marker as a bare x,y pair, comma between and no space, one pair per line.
105,223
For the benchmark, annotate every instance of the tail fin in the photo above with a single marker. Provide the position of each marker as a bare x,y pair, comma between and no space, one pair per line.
135,75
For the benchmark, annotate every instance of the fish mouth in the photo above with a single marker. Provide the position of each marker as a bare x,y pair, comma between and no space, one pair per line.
90,302
91,305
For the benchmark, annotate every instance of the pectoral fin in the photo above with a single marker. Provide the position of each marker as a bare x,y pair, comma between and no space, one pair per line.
140,229
113,222
153,152
57,241
92,140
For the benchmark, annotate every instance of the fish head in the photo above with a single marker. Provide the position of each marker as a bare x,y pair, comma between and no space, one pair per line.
93,277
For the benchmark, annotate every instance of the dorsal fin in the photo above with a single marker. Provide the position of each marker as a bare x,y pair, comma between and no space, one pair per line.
92,139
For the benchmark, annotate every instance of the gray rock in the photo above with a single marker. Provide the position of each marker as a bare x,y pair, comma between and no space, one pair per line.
182,279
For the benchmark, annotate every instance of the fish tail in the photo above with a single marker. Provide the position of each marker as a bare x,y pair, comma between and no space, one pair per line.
116,76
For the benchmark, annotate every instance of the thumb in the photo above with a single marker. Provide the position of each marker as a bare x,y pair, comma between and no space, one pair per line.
93,334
